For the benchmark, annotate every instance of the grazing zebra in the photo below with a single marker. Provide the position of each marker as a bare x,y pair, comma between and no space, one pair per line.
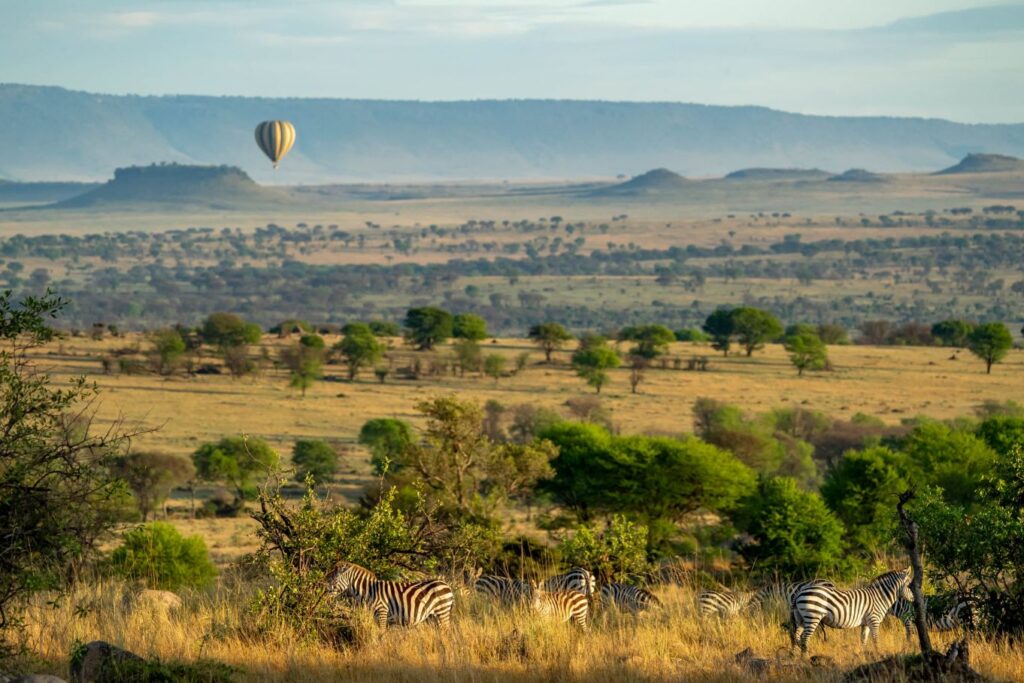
627,597
563,605
505,590
782,593
576,579
957,616
822,603
406,603
723,604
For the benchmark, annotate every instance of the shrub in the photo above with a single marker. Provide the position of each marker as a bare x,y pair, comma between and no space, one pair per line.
386,438
159,555
791,531
236,461
314,458
615,553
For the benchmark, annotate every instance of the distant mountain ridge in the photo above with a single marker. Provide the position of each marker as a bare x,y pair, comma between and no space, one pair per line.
985,163
69,135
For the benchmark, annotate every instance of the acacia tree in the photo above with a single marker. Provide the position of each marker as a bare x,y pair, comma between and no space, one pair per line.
651,340
305,360
57,495
806,352
593,361
753,327
360,348
168,348
428,326
990,342
236,461
720,326
469,326
152,476
549,337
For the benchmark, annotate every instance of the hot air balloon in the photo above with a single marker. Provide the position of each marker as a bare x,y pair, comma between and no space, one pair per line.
275,138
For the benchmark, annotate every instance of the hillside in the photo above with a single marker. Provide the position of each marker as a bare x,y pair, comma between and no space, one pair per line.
215,187
67,135
857,175
15,193
985,163
654,182
777,174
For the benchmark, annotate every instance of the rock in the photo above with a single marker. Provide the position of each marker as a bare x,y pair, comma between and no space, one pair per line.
37,678
151,600
97,658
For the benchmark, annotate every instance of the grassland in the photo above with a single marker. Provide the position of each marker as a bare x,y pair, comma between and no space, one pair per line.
484,644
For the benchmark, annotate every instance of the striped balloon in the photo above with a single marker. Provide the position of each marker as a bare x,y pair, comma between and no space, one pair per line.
275,138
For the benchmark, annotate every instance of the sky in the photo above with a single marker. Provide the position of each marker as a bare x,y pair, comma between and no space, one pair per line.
956,59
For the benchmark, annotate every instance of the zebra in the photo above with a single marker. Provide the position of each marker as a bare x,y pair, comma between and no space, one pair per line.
823,603
723,604
576,579
773,594
406,603
505,590
563,605
630,598
957,616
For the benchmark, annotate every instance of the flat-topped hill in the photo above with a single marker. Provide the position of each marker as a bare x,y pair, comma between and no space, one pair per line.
857,175
985,163
216,187
778,174
657,181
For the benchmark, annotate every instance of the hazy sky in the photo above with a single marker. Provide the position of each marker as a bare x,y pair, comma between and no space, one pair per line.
958,59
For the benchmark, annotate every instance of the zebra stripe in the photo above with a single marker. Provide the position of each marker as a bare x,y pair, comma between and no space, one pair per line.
561,605
408,604
626,597
782,594
405,603
505,590
822,603
954,618
577,579
723,604
350,580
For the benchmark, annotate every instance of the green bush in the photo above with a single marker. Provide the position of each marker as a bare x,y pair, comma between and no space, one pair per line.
615,553
159,555
791,531
387,438
862,490
314,458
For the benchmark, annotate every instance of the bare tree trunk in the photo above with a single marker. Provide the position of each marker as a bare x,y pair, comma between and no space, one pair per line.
914,550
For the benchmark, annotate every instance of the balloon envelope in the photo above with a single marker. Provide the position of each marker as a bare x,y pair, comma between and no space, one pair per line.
275,138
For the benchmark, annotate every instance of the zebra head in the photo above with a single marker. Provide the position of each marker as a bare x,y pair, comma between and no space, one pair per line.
341,580
535,594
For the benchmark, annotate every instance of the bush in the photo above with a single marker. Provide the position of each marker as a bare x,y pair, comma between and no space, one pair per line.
314,458
386,438
862,490
792,532
614,554
159,555
692,334
236,461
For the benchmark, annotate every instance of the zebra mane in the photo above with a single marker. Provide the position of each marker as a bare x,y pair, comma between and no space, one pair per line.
889,575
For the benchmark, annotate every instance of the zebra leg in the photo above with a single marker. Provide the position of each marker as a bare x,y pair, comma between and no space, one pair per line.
810,625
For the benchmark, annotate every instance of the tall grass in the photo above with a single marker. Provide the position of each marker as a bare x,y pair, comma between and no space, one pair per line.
485,643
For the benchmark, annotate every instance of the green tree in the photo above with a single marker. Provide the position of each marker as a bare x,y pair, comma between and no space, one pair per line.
387,438
952,332
720,326
152,476
225,330
314,458
384,328
791,531
57,495
305,361
469,326
862,490
753,327
954,460
494,366
806,352
658,480
549,337
592,363
651,340
832,335
468,353
428,326
990,342
692,334
616,553
237,461
158,554
359,347
168,349
1002,433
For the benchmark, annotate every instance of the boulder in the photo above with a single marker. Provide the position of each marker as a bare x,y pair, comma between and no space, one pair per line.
99,660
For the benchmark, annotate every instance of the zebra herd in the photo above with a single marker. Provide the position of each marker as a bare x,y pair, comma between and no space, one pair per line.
568,597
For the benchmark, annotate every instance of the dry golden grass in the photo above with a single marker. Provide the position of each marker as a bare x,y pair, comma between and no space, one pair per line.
484,644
